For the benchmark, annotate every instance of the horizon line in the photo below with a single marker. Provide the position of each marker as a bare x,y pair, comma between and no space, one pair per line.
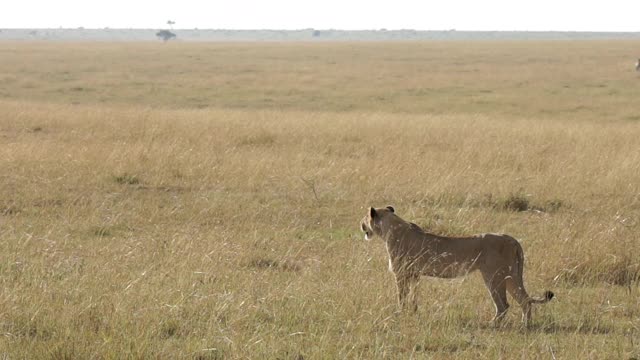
313,29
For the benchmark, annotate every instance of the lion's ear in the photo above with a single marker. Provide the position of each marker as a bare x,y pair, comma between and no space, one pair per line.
372,212
390,208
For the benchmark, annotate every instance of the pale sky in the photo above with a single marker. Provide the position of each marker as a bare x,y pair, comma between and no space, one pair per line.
541,15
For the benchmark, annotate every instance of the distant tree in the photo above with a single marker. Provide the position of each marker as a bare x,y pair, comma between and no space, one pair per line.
316,33
171,23
165,35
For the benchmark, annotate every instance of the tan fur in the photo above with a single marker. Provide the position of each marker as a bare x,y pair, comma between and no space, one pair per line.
414,252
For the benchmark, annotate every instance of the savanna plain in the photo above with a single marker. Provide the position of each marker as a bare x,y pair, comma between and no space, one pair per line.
203,200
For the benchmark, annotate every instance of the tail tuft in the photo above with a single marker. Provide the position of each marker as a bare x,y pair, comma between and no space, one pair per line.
548,295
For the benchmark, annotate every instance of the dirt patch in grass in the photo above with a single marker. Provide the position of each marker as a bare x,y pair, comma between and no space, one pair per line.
266,264
126,179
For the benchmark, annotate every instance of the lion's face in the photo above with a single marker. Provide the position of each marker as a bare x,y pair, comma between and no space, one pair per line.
366,228
369,224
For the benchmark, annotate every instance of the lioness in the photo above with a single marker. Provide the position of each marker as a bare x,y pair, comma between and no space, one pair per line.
414,252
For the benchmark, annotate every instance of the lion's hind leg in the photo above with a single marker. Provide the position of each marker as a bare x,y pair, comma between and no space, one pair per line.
497,286
516,289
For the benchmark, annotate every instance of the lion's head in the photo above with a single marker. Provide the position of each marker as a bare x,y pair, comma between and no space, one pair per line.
370,223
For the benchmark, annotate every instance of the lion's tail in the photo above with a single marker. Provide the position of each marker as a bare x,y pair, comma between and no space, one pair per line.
547,296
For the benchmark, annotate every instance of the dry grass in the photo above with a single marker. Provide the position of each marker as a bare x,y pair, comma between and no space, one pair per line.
136,224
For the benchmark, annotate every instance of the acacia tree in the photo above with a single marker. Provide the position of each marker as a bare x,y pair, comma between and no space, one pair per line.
165,35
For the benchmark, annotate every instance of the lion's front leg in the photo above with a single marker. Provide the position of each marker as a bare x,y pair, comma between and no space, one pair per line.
406,284
413,289
402,283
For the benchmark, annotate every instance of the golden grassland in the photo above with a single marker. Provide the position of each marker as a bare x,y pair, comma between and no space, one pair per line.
203,200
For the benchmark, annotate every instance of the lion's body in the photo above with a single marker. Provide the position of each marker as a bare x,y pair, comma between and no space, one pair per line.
414,253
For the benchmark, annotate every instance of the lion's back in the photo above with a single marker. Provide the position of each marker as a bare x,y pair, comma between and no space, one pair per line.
500,248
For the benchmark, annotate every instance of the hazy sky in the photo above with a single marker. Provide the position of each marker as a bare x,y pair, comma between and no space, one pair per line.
571,15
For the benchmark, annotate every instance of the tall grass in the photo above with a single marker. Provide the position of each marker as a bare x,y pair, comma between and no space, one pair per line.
142,231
